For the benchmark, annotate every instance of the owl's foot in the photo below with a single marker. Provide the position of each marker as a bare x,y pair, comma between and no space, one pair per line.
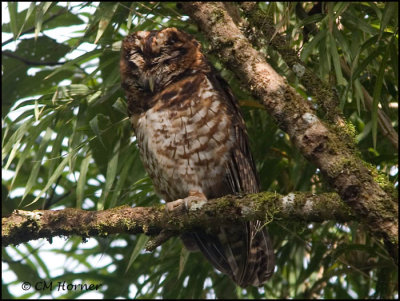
194,201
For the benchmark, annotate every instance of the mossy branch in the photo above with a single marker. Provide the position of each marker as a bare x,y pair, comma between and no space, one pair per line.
23,226
357,183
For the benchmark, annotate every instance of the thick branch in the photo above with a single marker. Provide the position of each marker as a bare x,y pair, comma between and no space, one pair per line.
349,175
327,99
23,226
264,25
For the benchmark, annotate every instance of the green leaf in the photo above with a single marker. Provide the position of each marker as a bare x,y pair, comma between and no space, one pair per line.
31,139
12,10
110,176
107,13
80,189
140,244
310,47
16,137
377,95
358,94
339,8
311,19
122,177
130,15
182,260
361,67
55,155
342,43
40,11
351,21
38,162
94,125
394,56
390,8
55,175
28,14
336,61
58,17
324,59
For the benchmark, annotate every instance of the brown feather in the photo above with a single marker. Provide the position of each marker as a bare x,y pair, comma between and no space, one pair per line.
192,138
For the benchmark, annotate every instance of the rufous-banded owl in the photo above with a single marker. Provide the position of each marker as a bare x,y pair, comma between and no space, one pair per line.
193,141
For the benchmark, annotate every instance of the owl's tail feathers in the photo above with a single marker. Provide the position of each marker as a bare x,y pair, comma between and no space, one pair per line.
244,252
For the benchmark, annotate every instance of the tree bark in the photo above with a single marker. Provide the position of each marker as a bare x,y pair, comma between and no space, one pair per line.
23,226
372,198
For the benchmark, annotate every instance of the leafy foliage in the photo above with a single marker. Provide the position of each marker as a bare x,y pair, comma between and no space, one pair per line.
67,142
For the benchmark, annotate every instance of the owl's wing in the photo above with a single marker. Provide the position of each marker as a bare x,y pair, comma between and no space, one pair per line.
243,251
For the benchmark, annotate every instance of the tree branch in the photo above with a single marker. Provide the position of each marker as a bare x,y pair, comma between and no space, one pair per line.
23,226
327,100
375,204
28,62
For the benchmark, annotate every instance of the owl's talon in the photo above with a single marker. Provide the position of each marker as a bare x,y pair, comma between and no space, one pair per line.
184,205
176,207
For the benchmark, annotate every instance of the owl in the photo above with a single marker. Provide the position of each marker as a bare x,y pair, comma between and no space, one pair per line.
193,142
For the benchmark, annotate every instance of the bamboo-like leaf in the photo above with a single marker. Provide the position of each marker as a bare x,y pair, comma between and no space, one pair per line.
16,137
40,11
337,34
38,162
121,179
365,132
36,110
54,98
182,260
55,175
82,180
140,244
309,47
28,14
311,19
377,94
33,134
325,58
55,155
13,11
39,260
110,176
105,19
94,125
358,95
336,61
394,56
390,8
79,60
13,152
350,19
376,9
93,97
130,16
339,8
361,67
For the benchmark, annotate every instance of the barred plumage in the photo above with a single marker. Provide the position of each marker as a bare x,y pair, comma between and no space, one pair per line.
192,139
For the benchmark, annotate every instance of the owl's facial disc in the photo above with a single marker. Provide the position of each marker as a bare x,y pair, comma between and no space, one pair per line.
156,58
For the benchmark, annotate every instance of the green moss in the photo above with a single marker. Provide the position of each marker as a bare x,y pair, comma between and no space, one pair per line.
217,16
266,202
382,180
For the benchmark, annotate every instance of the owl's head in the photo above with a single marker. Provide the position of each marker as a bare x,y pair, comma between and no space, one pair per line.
151,60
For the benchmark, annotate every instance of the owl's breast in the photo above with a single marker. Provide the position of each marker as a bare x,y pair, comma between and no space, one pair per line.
186,138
